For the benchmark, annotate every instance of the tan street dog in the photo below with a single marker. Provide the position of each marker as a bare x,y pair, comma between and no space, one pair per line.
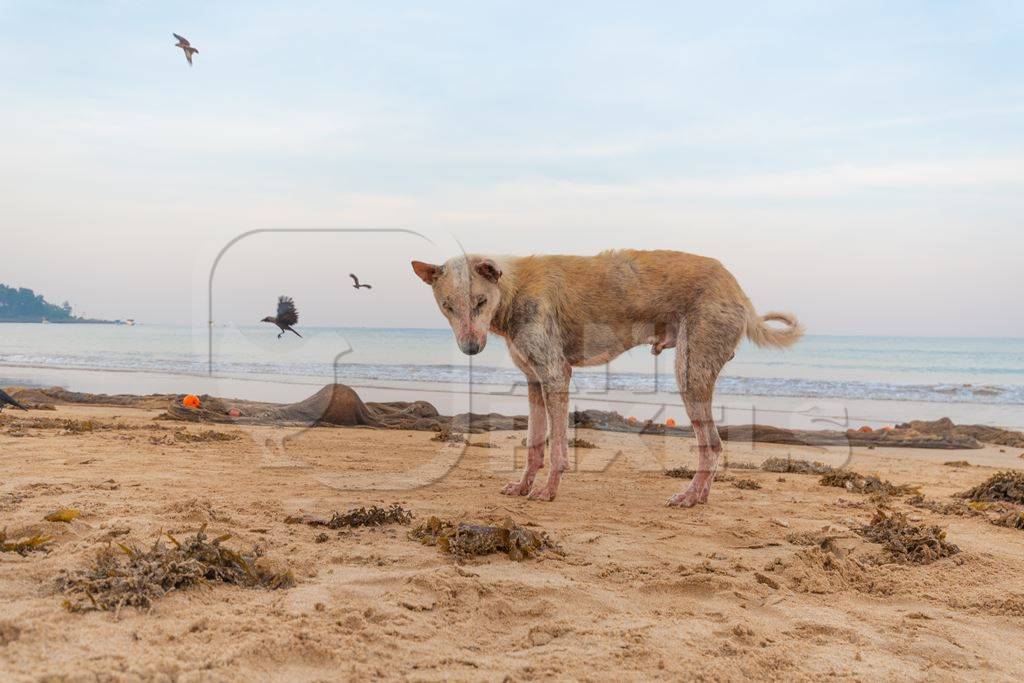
561,312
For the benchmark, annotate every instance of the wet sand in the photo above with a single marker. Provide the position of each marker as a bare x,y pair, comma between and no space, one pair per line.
642,592
791,412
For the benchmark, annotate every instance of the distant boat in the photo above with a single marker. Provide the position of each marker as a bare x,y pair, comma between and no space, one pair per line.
130,322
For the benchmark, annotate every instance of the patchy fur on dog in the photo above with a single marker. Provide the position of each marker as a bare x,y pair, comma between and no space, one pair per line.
561,312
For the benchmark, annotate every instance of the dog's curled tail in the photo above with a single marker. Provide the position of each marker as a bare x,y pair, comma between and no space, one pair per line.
775,337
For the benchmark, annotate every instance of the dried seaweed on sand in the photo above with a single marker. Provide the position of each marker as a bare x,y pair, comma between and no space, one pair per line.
681,472
865,483
204,436
464,539
357,517
907,543
747,484
789,465
126,576
575,442
446,435
739,465
958,508
22,546
1005,487
1013,519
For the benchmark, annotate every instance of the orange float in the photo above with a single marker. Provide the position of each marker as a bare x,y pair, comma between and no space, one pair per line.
670,422
191,401
865,429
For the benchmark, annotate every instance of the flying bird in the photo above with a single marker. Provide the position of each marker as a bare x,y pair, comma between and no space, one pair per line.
5,399
286,316
187,47
356,281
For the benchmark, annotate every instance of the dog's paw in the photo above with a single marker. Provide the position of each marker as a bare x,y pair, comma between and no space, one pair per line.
686,499
516,488
546,494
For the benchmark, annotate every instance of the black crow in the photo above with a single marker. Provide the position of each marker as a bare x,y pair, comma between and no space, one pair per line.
5,399
356,281
286,315
187,47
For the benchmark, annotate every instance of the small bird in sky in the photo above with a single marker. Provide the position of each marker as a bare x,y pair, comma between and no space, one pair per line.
356,281
5,399
187,47
286,316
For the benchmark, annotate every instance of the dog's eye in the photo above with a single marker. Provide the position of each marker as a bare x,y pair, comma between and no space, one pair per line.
480,304
447,307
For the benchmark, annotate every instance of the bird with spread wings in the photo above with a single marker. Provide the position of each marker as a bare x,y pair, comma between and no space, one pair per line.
186,46
287,315
356,286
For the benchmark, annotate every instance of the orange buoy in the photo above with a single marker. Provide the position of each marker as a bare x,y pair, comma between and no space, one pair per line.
887,429
631,420
191,401
670,422
865,429
235,412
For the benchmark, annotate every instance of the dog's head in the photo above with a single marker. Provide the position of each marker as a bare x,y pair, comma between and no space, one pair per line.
467,292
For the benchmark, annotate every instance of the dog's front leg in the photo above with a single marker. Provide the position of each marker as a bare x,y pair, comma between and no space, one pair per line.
556,401
536,433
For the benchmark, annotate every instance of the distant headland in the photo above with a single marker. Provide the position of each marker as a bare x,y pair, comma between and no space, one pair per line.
22,305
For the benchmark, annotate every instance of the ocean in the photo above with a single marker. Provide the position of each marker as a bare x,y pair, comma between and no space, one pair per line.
896,377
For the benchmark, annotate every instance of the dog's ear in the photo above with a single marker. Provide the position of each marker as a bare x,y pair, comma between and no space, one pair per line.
487,269
426,271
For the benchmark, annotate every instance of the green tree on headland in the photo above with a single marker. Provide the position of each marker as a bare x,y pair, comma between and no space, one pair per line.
22,305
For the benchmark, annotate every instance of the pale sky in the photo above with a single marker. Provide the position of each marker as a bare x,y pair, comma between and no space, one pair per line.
858,163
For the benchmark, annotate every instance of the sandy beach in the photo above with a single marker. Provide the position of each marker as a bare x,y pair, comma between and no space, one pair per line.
286,290
640,591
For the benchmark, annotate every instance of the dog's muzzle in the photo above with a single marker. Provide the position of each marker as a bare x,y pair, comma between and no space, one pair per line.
471,347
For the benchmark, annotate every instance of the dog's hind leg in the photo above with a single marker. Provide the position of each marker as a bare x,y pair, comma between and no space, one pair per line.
536,433
705,344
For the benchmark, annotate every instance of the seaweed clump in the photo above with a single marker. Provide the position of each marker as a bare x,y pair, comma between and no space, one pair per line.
791,466
955,507
204,436
748,484
574,442
1003,487
682,472
865,483
739,465
357,517
23,546
136,578
446,435
1013,519
464,539
907,543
